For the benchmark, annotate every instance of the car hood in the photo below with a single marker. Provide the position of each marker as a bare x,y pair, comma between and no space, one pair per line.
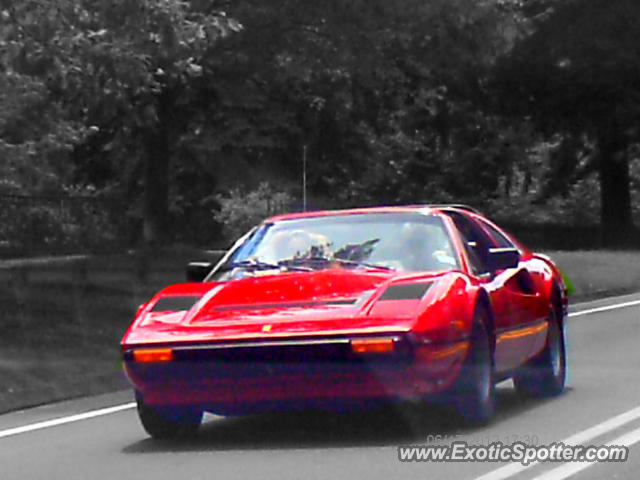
326,302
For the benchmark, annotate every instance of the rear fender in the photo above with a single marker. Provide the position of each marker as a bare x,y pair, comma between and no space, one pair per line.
554,289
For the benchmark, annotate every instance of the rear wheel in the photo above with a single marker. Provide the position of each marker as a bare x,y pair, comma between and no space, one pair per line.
168,422
475,397
545,374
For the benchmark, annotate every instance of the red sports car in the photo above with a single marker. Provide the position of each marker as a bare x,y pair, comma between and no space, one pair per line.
351,308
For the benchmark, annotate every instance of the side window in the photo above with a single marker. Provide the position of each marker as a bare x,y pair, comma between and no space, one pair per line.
499,238
475,241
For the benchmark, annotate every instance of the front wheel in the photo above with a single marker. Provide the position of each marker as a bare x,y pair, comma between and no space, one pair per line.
545,374
168,422
475,396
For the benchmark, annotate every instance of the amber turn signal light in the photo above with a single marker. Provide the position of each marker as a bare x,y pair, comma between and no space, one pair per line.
372,345
153,355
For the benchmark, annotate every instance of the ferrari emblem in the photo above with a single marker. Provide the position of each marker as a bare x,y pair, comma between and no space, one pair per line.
266,328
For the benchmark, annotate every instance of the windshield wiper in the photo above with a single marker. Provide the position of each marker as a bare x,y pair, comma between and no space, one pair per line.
301,262
319,262
251,265
356,263
259,265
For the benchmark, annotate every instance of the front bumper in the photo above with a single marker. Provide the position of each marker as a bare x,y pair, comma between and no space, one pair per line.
244,377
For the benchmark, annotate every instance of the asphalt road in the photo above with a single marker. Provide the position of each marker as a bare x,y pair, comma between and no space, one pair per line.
600,407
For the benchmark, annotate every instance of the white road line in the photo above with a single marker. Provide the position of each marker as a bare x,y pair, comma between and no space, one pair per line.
604,427
126,406
584,436
63,420
568,469
604,309
579,438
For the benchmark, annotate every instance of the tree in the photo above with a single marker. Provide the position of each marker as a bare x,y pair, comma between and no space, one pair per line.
387,96
389,99
123,74
578,73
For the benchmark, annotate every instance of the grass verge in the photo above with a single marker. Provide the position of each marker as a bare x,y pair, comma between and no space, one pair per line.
62,321
596,274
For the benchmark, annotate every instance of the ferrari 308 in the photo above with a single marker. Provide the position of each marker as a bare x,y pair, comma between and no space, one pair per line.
351,309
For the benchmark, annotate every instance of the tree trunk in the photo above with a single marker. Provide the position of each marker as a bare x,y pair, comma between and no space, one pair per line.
156,188
615,209
158,142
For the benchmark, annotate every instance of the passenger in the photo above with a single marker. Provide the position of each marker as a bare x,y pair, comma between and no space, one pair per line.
293,244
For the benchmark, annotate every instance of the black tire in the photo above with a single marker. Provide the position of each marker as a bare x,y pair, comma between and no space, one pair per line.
545,374
475,388
168,422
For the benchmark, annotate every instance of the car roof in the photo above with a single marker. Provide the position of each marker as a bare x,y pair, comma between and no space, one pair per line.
382,209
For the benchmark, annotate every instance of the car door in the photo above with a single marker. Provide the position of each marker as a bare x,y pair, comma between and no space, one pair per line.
524,286
509,290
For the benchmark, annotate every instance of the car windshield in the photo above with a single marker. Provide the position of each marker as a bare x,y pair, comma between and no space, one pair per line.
390,241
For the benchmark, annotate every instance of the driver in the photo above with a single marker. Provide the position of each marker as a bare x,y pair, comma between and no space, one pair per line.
418,247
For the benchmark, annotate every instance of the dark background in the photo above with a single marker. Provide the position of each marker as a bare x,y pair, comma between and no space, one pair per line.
138,124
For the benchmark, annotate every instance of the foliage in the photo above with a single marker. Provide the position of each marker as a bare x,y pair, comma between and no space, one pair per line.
38,225
378,94
582,64
174,107
103,91
579,207
240,210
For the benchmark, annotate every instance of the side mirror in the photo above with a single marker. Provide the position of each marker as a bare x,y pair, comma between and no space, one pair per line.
503,258
198,271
